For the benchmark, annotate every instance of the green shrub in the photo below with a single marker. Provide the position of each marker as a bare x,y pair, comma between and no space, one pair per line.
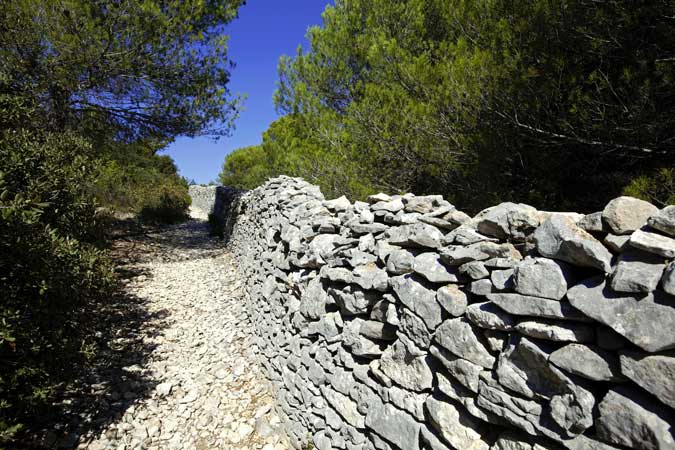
133,179
50,268
657,187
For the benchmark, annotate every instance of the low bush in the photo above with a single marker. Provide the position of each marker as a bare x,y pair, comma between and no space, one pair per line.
51,269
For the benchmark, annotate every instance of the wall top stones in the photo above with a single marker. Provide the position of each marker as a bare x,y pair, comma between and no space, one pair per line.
403,323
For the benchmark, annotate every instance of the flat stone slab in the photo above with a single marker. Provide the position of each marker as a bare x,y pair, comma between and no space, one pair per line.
647,322
653,373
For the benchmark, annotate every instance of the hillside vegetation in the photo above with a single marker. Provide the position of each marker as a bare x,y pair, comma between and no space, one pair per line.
90,92
561,104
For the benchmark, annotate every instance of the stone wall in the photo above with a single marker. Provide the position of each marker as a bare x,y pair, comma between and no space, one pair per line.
203,198
403,323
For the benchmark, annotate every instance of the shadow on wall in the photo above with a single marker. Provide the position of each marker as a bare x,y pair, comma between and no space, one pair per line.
403,323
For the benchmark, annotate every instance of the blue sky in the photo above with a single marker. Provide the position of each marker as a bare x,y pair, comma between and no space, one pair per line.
265,30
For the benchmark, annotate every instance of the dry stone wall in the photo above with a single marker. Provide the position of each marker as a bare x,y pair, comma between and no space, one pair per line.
403,323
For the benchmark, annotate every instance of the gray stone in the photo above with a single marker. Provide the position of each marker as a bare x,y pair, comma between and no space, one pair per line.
338,204
452,299
467,235
474,269
653,373
507,220
339,274
313,300
429,265
522,305
488,315
653,243
377,330
616,243
415,235
583,442
465,372
424,204
395,205
401,261
358,343
647,322
411,402
353,300
668,279
524,369
559,332
495,339
592,222
625,419
406,370
366,228
450,387
637,271
502,279
588,362
481,287
379,197
501,263
396,426
624,215
458,337
455,428
419,298
540,277
415,329
438,222
664,220
512,441
369,276
480,251
560,238
344,406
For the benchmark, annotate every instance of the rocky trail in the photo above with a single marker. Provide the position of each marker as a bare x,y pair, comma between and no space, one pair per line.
181,370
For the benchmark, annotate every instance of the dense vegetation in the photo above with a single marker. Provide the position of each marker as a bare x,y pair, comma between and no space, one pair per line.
557,103
90,91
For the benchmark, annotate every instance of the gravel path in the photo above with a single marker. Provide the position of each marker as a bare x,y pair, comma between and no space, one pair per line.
198,386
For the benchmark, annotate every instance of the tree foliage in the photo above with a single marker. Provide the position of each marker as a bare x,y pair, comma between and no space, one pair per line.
555,103
90,91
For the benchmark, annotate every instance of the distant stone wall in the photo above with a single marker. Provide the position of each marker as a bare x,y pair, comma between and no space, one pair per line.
216,200
403,323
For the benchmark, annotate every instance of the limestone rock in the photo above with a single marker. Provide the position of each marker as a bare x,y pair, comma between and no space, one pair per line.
338,204
377,330
523,305
507,220
560,238
429,265
396,426
459,433
637,271
559,332
406,370
393,206
415,235
352,299
488,315
465,372
344,406
668,279
452,299
369,276
664,220
415,329
400,261
540,277
626,419
653,243
502,279
624,215
588,362
592,222
419,298
474,269
647,322
458,337
653,373
480,251
616,243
